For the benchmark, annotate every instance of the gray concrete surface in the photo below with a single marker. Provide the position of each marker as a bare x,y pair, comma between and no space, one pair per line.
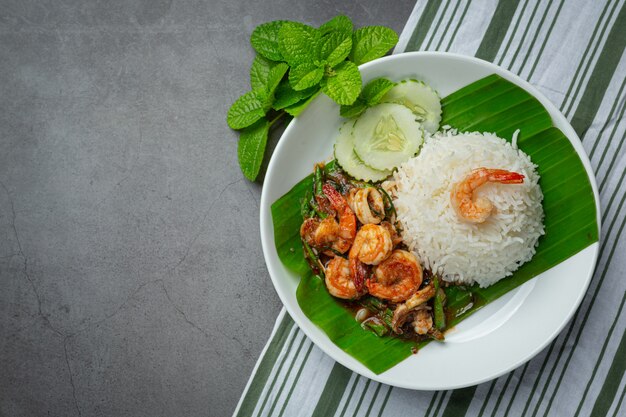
133,282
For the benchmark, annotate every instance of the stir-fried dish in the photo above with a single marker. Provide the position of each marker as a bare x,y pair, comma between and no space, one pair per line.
353,241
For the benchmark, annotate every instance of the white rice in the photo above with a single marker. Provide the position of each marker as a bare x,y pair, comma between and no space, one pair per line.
462,251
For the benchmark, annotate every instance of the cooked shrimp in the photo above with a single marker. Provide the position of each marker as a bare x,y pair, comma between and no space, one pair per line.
477,210
423,321
327,232
396,278
371,246
338,279
307,230
418,299
367,204
320,233
347,221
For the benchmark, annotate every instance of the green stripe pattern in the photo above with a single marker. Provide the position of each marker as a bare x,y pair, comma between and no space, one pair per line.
573,51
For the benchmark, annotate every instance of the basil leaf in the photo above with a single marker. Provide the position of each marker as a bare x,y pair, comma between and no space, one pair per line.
251,148
298,43
247,109
371,42
305,75
335,47
345,85
264,40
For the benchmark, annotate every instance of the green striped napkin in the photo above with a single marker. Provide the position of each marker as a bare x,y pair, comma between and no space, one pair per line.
573,51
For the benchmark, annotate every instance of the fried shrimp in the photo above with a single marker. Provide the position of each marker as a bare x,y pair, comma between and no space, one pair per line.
347,221
367,204
477,210
338,280
396,278
371,246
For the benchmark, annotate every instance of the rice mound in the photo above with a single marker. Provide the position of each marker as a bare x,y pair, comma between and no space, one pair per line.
461,251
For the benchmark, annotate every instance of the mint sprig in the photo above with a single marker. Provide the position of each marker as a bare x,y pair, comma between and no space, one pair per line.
370,96
296,62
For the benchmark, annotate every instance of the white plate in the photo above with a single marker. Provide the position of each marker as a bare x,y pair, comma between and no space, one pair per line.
495,340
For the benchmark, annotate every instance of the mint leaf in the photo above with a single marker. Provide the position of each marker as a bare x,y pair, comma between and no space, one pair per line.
371,95
353,110
274,77
299,107
298,43
374,91
371,42
259,72
345,85
287,96
251,148
341,24
265,76
335,47
305,76
247,109
264,40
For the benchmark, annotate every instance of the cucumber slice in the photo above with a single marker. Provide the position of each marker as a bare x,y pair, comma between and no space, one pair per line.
423,101
350,162
387,135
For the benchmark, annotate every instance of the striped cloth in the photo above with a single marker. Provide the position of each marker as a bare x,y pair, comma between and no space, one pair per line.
573,51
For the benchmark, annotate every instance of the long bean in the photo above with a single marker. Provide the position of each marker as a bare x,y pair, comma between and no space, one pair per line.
305,206
376,306
312,259
440,317
318,183
376,325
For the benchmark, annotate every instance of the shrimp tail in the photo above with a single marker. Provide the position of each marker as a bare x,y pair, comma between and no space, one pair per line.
359,273
505,177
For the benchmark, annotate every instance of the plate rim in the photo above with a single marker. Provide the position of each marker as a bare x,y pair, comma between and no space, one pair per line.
572,136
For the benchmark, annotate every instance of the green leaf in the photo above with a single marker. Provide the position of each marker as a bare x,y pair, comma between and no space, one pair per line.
371,42
247,109
344,87
264,40
287,96
335,48
304,76
340,24
371,95
265,76
298,43
353,110
251,149
300,106
374,91
259,72
492,104
275,76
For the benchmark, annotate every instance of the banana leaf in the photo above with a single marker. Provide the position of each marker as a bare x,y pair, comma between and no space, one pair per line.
491,104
